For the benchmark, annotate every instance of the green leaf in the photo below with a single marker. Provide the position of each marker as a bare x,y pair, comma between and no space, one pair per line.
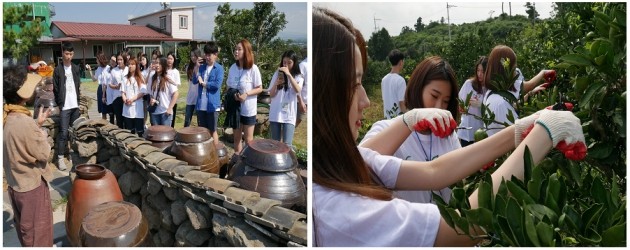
521,196
506,231
540,211
533,186
576,59
591,215
545,234
515,213
595,87
553,192
600,150
499,204
614,192
484,193
590,237
530,228
528,164
481,217
614,236
598,192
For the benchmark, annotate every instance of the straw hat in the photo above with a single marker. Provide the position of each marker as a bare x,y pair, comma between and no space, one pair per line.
28,88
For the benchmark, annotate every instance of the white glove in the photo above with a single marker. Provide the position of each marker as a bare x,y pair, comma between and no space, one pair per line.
474,102
439,121
565,131
523,127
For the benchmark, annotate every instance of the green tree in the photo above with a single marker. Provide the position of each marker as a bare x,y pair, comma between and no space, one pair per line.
19,34
380,44
532,14
419,26
258,25
405,29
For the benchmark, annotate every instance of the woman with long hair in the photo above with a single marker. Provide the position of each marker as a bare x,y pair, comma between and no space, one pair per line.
192,69
244,84
476,88
114,98
352,186
102,76
133,89
496,103
432,85
174,78
286,85
163,95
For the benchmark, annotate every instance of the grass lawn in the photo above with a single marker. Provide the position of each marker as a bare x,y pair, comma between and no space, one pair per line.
299,139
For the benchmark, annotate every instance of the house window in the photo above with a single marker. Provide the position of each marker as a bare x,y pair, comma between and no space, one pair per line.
183,22
96,48
163,22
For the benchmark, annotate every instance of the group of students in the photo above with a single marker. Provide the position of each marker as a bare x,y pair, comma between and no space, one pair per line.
385,183
130,90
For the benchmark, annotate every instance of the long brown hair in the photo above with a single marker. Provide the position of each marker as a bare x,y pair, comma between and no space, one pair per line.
137,74
431,68
162,75
476,83
248,55
337,162
494,64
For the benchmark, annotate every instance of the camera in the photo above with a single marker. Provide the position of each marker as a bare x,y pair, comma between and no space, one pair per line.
285,82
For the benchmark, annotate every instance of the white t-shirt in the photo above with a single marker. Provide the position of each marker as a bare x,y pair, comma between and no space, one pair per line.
118,76
469,120
283,108
348,219
131,90
430,148
500,107
173,74
393,89
304,69
245,80
71,90
164,96
102,75
204,98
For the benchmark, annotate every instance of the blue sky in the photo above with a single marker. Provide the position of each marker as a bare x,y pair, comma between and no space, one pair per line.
120,12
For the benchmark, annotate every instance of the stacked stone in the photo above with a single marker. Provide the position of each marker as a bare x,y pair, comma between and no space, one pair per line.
51,125
189,208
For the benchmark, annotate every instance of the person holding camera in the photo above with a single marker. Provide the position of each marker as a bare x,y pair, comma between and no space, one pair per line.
192,71
284,89
210,78
163,95
244,84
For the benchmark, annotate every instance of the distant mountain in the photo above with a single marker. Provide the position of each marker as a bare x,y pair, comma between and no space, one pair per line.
296,36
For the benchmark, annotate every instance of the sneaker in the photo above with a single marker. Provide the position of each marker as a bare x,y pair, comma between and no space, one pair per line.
61,164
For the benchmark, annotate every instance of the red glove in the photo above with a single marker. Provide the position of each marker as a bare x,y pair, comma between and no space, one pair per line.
439,121
488,166
567,105
565,131
550,76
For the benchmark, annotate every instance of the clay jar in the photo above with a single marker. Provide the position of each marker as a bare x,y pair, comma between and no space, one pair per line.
160,136
93,186
196,146
269,167
115,224
264,97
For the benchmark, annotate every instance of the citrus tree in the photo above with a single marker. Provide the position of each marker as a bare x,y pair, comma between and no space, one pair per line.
562,202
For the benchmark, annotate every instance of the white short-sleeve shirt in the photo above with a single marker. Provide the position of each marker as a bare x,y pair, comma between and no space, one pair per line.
343,219
470,120
283,108
131,90
248,80
419,147
393,88
164,96
118,76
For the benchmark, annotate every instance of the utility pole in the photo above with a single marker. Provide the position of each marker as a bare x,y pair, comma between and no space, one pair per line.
502,12
375,27
510,3
491,12
448,17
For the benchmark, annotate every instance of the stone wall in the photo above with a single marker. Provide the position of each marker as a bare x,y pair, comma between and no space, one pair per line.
184,206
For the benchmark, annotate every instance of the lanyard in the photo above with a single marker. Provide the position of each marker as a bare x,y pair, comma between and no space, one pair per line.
427,157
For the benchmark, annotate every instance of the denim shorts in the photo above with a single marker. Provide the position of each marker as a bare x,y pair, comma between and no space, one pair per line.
248,120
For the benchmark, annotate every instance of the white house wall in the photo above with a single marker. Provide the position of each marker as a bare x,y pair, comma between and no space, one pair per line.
174,22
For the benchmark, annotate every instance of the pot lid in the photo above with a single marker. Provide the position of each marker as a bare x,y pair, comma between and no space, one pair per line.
160,133
193,134
269,155
113,224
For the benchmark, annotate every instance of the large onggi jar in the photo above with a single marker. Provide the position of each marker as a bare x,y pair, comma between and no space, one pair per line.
93,186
